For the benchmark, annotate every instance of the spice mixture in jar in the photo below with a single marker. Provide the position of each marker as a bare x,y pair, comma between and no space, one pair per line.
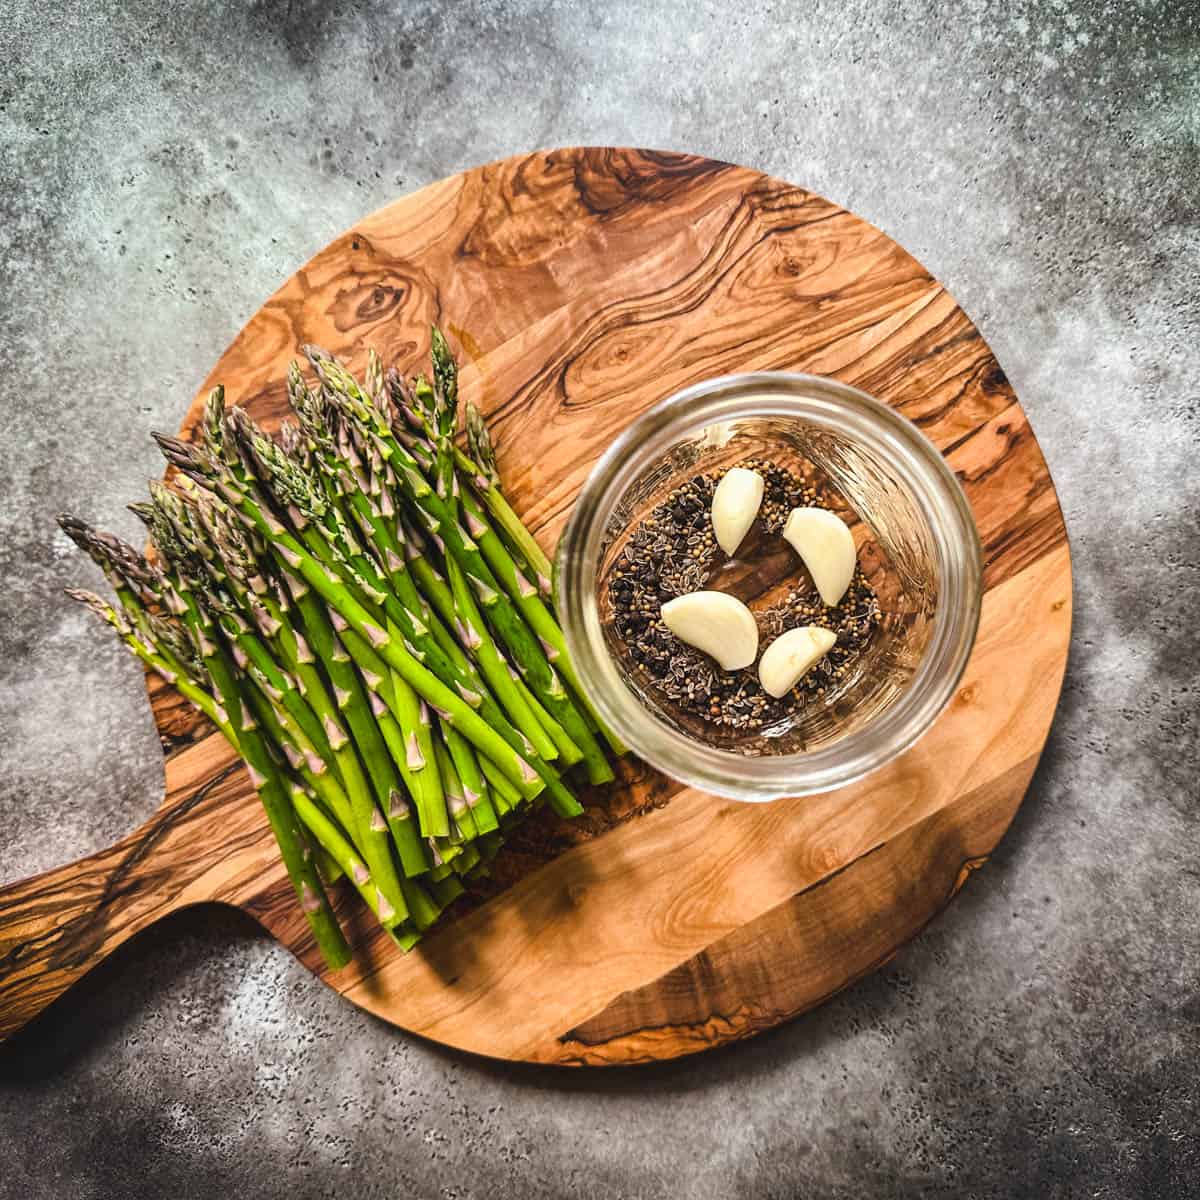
673,551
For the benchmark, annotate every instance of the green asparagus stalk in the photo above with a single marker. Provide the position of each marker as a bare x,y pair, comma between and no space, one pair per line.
527,652
474,786
312,713
480,469
329,585
335,843
463,823
266,780
439,593
328,825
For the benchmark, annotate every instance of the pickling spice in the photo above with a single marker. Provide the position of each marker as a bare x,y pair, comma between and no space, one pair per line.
673,551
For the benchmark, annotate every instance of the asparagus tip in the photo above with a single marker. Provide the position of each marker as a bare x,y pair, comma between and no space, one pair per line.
99,606
77,529
181,454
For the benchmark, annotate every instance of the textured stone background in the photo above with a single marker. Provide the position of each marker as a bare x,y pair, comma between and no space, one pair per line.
164,166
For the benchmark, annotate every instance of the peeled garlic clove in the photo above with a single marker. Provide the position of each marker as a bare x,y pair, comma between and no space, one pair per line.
791,655
717,623
827,547
735,504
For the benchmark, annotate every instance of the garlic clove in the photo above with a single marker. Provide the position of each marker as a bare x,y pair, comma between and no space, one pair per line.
792,655
735,504
827,547
717,623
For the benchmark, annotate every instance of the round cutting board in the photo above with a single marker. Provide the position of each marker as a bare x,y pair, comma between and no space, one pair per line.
581,286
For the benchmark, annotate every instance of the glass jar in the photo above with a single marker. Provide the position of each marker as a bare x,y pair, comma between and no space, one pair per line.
913,529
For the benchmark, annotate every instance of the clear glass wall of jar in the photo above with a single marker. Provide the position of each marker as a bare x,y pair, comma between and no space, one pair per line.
923,543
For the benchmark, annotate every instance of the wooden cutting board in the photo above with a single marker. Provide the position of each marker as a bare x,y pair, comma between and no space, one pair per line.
582,286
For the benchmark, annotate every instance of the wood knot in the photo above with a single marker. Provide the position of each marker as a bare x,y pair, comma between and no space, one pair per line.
967,694
1057,605
380,300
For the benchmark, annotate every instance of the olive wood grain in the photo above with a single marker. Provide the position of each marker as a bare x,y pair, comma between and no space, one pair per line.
581,286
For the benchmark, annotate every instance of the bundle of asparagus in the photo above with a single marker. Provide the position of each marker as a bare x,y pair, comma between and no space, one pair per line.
361,613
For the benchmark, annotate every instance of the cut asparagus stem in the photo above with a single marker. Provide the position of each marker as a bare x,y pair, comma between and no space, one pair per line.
425,910
446,891
264,775
282,819
334,842
474,786
464,865
278,683
463,823
389,552
344,757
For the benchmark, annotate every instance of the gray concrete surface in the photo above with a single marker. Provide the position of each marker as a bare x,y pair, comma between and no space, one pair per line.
163,166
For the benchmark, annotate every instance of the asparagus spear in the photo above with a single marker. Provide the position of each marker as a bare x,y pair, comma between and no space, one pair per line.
266,780
480,468
328,825
312,714
329,541
527,652
330,836
443,600
439,405
329,585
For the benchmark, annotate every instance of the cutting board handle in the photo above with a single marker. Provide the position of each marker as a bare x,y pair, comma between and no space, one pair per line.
56,926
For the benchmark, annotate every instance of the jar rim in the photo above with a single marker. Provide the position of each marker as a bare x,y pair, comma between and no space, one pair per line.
824,403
